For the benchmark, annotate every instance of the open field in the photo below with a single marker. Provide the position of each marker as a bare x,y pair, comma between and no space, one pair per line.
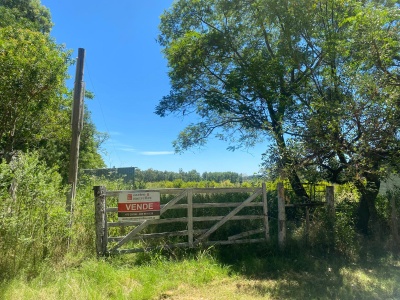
202,276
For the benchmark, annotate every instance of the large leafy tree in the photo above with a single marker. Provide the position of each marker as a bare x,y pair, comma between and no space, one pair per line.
35,105
32,71
237,65
350,112
28,14
312,76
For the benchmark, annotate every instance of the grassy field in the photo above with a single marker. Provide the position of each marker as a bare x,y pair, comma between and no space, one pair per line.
210,275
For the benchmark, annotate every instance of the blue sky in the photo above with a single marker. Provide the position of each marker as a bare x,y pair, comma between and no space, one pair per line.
125,69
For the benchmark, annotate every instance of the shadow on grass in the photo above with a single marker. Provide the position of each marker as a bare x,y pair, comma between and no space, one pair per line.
296,274
258,272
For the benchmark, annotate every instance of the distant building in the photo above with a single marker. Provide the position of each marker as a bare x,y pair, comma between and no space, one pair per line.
391,182
127,173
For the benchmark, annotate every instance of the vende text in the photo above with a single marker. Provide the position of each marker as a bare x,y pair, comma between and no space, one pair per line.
141,206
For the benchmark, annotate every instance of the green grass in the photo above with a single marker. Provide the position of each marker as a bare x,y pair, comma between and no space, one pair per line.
115,278
201,276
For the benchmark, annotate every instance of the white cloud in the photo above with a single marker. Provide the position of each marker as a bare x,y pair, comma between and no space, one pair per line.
113,133
157,152
127,149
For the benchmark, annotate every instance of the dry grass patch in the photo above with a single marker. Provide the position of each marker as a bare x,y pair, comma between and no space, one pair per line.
228,288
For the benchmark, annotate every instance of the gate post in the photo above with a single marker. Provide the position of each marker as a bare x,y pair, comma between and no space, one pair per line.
394,222
265,211
330,206
281,216
101,220
190,217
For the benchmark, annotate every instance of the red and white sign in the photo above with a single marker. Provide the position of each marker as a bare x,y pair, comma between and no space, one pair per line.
138,205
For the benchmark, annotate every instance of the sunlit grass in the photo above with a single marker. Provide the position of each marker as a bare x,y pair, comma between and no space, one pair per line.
377,282
115,280
203,277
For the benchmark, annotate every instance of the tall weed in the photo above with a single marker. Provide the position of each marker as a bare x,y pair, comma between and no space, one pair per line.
32,215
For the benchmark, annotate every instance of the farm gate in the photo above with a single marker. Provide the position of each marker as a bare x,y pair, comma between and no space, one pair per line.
284,203
188,218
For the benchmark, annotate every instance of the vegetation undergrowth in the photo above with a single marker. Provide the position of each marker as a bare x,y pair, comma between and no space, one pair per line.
46,259
255,273
127,277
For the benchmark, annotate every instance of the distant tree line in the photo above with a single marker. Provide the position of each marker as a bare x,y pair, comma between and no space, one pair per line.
151,175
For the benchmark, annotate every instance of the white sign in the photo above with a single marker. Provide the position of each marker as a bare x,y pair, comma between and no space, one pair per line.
138,205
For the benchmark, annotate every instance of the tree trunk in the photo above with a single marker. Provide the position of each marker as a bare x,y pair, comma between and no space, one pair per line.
367,214
297,187
290,172
288,165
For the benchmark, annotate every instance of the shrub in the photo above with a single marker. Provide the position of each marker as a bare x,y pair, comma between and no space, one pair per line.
32,215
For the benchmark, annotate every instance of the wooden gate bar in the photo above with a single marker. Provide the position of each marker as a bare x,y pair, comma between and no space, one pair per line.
185,245
172,202
145,236
185,220
219,204
128,237
247,241
245,234
227,217
170,191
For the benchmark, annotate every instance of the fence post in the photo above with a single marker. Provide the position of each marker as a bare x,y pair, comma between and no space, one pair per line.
190,217
281,216
101,220
330,206
394,222
265,211
307,224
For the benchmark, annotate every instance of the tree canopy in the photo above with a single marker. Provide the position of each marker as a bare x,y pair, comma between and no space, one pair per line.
32,72
25,14
320,79
35,104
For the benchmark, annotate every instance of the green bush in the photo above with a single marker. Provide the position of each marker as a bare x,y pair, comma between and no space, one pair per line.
32,215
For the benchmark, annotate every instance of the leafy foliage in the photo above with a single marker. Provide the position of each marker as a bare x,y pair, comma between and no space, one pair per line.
35,105
349,113
33,70
318,78
35,113
29,14
33,218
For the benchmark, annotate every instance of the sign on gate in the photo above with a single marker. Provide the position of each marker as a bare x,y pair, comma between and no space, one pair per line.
140,205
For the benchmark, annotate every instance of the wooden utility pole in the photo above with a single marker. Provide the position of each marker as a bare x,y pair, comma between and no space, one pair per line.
77,126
